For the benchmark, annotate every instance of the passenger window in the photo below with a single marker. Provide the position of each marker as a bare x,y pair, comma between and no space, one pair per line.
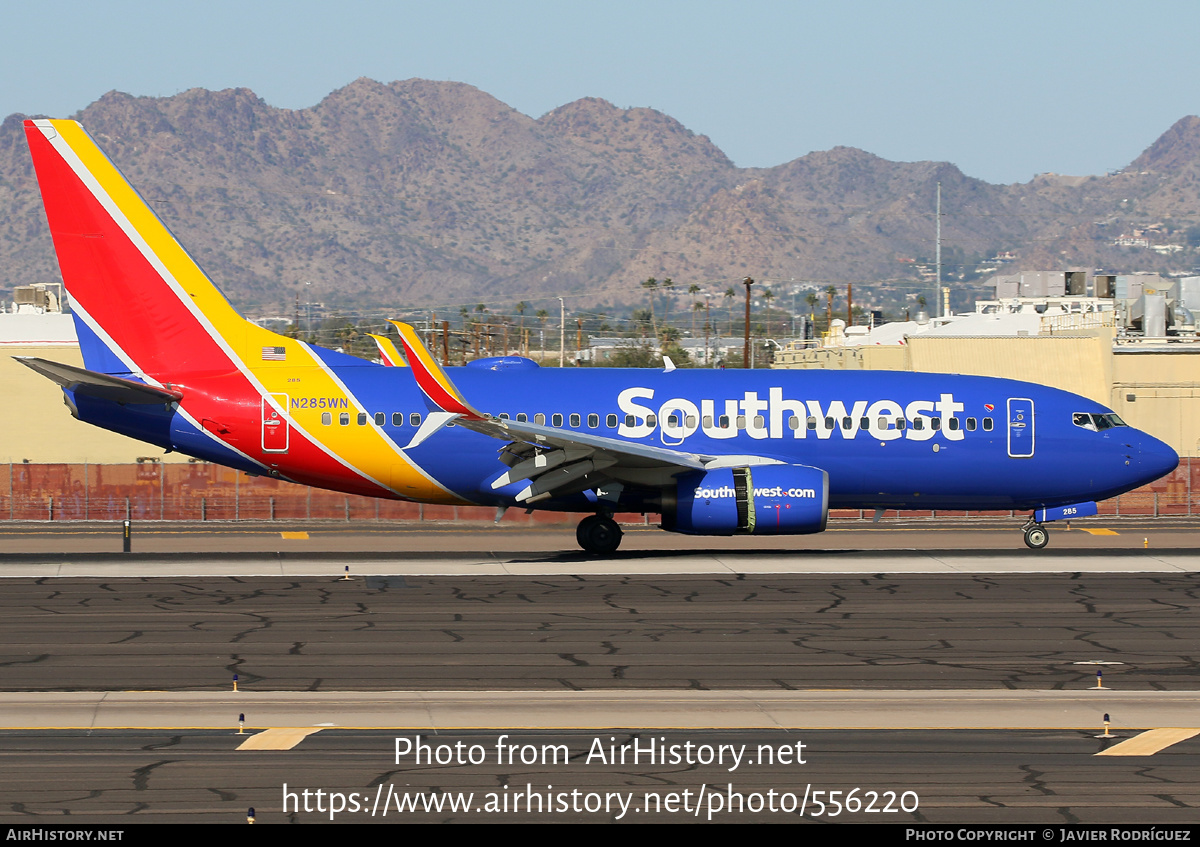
556,419
522,417
611,421
812,422
574,420
759,422
935,424
918,423
539,419
741,421
830,423
344,418
630,421
724,422
362,418
883,423
414,419
397,419
326,418
864,423
380,419
793,422
953,424
971,424
901,423
673,419
690,420
593,421
847,423
987,424
652,420
504,416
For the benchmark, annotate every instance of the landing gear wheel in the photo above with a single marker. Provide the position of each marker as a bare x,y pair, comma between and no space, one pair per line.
598,534
1036,536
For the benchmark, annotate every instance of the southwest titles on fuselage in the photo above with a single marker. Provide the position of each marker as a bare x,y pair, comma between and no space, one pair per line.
771,417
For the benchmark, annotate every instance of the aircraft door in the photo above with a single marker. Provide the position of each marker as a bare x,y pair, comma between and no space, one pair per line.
677,419
1020,427
274,423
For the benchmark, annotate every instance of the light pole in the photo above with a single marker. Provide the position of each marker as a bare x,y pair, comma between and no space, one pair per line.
562,332
747,354
707,328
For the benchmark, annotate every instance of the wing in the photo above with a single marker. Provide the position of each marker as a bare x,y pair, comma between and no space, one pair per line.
554,462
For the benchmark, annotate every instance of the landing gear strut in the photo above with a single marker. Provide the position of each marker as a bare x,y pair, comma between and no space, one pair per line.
598,534
1036,535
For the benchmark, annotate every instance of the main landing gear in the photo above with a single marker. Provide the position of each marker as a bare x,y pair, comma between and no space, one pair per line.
1036,536
598,534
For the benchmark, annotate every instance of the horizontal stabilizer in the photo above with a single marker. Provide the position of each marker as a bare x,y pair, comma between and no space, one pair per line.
101,386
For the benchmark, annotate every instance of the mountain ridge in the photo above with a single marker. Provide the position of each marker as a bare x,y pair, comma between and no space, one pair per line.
417,193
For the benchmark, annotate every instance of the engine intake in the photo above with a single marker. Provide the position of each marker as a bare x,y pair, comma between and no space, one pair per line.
760,500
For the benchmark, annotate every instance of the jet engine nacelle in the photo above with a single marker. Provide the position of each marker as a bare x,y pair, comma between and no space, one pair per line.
763,499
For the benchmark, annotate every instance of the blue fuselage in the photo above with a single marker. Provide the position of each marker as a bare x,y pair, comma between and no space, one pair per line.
885,439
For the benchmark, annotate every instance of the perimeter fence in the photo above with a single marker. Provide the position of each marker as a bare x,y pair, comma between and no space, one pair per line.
203,492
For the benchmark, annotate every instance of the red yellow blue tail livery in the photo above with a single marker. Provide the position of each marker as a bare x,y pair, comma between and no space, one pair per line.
169,361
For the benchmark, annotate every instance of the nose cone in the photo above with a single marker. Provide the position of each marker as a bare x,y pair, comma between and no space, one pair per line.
1155,459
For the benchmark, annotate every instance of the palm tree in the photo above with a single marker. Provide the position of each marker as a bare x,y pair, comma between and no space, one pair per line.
768,296
729,295
831,295
693,290
651,285
521,307
667,284
811,299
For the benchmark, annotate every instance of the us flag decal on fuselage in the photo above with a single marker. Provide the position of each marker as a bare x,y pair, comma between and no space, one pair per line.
274,354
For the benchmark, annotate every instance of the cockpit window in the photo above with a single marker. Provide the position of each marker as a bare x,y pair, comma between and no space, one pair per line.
1096,423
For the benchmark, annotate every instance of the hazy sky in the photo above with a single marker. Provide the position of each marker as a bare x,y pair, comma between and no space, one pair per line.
1004,90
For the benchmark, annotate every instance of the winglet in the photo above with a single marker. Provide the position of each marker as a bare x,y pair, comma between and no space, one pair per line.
387,351
432,380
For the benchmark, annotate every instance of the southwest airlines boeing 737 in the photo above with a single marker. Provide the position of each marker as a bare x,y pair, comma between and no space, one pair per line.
168,361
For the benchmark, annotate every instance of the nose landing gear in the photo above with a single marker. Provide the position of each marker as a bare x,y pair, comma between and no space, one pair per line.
1036,536
598,534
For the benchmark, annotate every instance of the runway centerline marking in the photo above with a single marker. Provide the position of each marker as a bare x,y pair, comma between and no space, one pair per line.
1151,741
1098,531
294,536
279,738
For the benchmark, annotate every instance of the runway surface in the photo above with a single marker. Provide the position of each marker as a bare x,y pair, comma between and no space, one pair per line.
1019,631
1043,778
963,674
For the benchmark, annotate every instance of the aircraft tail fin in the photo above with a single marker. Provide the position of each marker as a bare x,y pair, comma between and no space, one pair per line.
142,304
437,387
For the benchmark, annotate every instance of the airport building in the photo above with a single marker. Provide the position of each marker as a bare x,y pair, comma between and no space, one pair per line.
1127,341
